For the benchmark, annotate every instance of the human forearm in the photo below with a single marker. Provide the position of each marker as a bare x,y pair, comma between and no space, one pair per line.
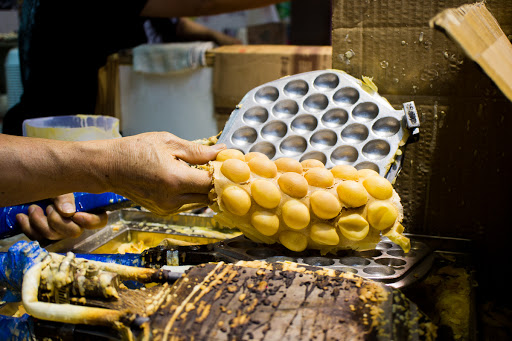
189,30
191,8
34,169
152,169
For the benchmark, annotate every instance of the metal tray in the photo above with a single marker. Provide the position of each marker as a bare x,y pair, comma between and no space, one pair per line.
131,225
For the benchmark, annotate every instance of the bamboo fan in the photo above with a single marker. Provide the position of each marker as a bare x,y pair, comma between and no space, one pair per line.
482,38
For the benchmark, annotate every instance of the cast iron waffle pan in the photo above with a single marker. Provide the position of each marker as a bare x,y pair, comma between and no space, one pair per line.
326,115
387,263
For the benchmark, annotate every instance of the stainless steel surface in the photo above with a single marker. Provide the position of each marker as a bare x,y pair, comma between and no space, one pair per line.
325,115
127,225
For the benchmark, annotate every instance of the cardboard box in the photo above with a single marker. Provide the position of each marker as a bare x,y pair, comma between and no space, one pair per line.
271,33
236,70
456,180
240,68
391,41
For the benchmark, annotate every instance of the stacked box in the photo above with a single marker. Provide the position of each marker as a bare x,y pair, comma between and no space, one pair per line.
240,68
455,180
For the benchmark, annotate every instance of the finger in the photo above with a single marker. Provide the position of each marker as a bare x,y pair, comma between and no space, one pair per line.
90,221
192,198
39,222
194,180
65,227
195,153
177,203
24,224
65,204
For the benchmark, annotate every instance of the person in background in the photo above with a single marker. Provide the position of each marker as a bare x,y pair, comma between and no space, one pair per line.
60,56
151,169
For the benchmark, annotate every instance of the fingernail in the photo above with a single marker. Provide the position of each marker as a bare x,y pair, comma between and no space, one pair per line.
31,209
49,209
19,218
67,208
219,146
78,219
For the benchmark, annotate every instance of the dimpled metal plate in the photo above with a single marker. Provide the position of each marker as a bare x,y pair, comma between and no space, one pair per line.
386,263
324,115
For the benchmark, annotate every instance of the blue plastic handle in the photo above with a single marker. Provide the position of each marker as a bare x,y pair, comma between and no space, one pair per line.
85,202
17,328
23,255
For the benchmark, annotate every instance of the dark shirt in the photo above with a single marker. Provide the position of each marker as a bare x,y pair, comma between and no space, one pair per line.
161,30
62,45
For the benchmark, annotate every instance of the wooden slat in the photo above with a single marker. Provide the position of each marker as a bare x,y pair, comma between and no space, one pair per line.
483,40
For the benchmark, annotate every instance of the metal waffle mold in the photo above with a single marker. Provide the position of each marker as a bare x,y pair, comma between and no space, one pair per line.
325,115
387,263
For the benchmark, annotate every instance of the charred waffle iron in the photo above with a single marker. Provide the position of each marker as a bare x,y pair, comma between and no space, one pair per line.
387,263
83,308
76,298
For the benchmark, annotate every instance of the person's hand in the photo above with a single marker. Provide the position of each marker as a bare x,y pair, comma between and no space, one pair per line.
223,39
152,169
61,220
189,30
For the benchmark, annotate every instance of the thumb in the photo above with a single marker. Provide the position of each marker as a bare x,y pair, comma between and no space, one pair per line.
65,204
197,154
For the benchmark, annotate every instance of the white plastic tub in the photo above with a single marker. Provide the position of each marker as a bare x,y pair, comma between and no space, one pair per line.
73,127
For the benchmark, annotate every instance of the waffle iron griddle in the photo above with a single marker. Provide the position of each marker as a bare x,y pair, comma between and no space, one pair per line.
326,115
387,263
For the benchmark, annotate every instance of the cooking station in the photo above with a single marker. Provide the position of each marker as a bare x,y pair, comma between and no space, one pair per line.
363,195
180,268
194,276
